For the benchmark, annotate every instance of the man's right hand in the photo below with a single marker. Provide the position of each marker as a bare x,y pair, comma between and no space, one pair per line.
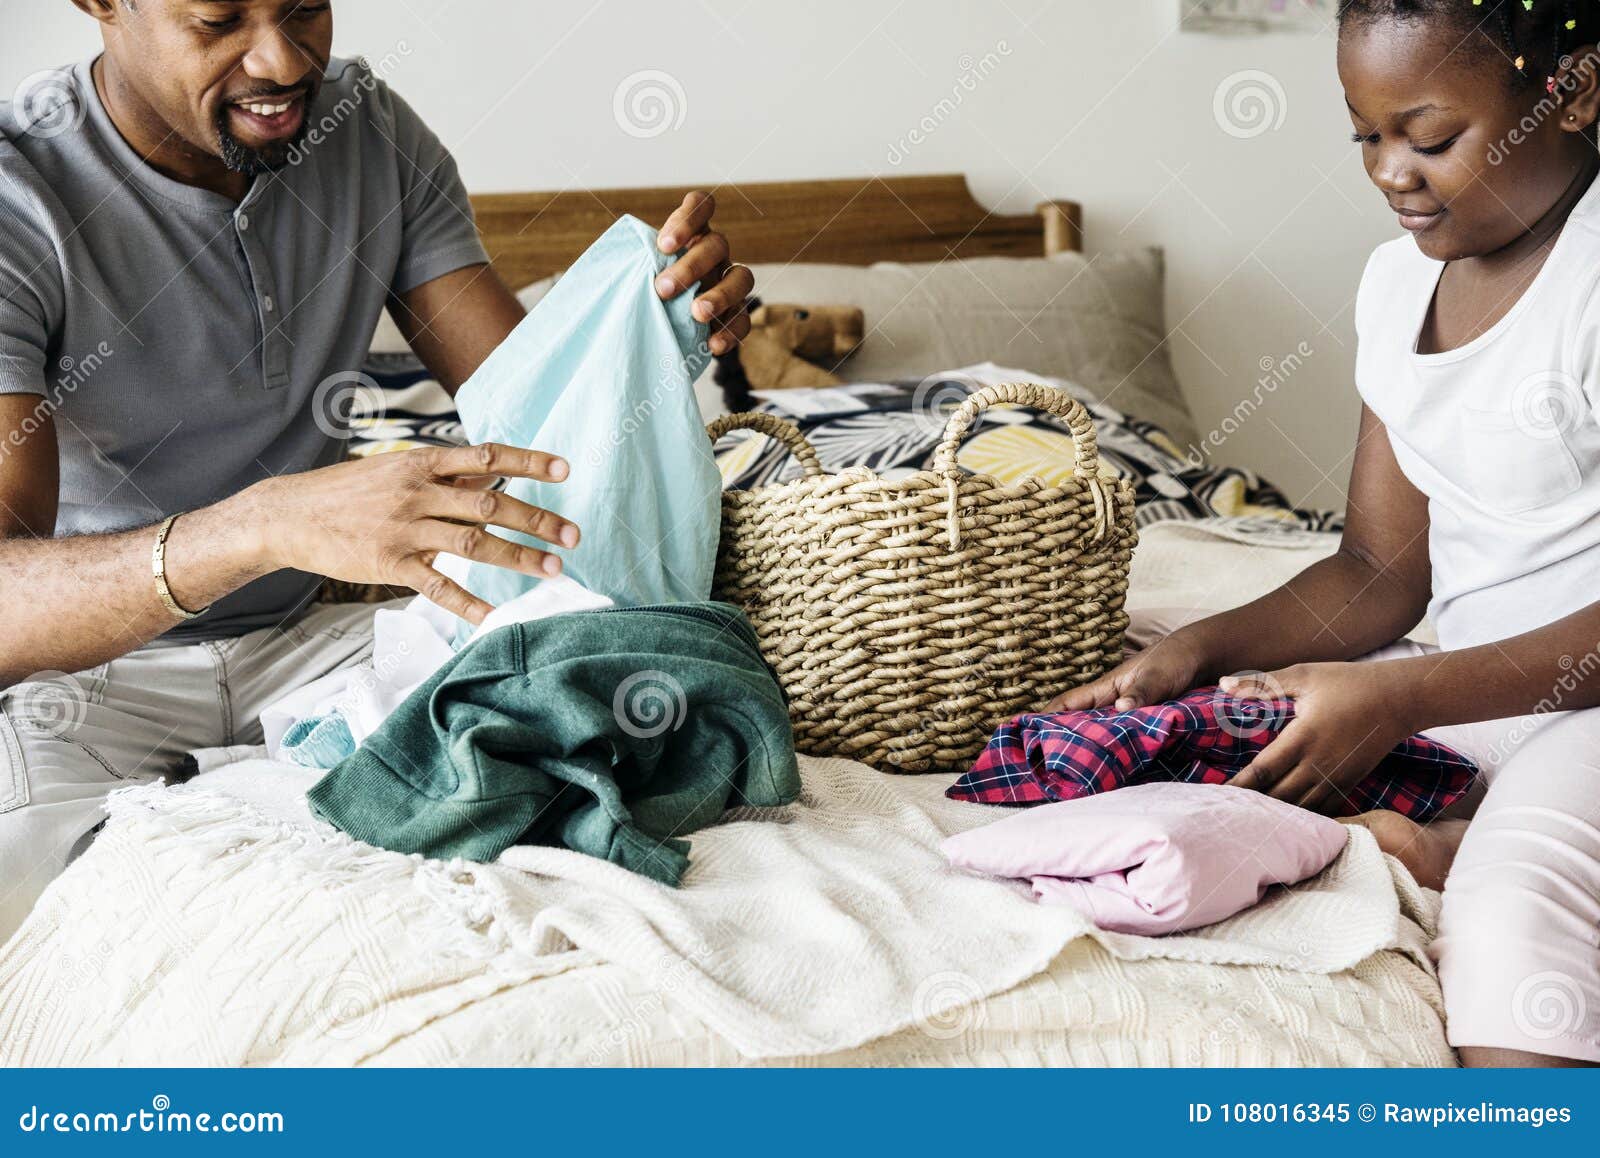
385,519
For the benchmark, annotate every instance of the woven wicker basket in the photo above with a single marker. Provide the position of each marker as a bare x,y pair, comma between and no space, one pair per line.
906,618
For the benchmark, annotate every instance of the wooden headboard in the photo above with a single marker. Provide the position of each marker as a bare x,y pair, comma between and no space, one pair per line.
855,221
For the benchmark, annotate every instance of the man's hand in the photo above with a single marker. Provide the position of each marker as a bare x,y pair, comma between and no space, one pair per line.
1347,717
385,519
724,290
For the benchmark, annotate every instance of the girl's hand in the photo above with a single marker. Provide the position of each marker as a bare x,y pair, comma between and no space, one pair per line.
1165,670
1347,717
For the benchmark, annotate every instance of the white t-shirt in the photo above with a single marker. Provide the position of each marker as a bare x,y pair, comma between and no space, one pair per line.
1501,434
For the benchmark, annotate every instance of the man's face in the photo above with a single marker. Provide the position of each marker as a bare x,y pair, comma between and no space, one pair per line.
233,78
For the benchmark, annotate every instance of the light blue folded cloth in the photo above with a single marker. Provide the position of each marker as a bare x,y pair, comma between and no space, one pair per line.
317,741
602,373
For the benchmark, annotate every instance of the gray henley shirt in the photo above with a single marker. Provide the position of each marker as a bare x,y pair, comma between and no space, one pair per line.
187,346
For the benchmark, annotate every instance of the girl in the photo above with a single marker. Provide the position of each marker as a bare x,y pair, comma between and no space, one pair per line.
1475,496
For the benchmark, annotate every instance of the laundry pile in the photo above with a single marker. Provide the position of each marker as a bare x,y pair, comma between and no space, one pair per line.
1205,737
323,722
609,733
1137,827
611,709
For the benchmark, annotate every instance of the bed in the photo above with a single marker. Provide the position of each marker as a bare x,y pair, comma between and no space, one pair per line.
216,922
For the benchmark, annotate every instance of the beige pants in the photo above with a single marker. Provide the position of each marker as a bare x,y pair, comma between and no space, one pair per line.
1519,936
66,741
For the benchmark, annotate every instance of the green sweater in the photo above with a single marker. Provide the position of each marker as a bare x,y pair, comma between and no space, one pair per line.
608,732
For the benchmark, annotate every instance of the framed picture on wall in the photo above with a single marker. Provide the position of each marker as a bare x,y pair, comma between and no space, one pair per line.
1257,15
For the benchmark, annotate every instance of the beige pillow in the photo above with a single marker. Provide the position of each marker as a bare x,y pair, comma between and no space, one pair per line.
1099,323
386,340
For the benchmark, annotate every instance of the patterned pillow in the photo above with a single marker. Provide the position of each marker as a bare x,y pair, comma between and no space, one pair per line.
894,429
407,409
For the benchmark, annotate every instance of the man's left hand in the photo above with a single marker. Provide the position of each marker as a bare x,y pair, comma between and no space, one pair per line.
724,290
1347,718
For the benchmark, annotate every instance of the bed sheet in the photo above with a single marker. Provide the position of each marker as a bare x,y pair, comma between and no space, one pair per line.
343,994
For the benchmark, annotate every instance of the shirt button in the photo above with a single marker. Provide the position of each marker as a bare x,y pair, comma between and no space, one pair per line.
266,303
244,222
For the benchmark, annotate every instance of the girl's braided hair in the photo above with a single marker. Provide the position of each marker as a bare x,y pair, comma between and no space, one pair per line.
1535,35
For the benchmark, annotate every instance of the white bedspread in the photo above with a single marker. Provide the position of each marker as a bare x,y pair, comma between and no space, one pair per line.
216,923
1217,564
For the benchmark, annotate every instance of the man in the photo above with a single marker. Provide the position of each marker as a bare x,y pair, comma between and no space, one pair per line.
179,269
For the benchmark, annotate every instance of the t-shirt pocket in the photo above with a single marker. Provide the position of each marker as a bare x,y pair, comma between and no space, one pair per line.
1513,465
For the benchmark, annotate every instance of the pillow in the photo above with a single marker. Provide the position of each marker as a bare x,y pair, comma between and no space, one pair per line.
387,341
894,429
1101,324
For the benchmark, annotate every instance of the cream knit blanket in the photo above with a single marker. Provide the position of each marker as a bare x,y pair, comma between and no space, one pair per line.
216,923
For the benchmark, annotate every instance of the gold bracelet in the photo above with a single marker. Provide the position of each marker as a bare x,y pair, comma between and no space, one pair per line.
158,567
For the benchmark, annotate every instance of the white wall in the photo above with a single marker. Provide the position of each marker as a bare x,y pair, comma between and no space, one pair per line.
1100,101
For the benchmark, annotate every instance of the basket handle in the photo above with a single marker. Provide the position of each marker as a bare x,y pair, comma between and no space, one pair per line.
1086,451
774,428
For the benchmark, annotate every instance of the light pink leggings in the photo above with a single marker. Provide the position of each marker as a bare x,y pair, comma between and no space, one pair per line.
1519,936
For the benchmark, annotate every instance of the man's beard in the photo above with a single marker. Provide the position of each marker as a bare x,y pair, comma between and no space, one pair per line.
240,158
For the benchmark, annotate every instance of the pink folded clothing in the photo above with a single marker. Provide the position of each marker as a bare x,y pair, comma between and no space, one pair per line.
1155,858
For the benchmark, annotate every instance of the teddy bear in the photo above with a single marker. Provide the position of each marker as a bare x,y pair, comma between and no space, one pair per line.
789,346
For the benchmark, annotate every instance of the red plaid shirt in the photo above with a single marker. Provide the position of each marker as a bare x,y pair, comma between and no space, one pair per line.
1205,737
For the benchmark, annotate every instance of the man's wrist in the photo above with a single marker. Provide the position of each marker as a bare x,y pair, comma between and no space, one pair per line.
215,550
249,514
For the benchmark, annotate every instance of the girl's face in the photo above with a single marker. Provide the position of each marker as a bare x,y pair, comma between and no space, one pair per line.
1467,161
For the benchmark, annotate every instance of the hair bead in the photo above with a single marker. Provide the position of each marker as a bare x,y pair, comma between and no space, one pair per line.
1565,22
